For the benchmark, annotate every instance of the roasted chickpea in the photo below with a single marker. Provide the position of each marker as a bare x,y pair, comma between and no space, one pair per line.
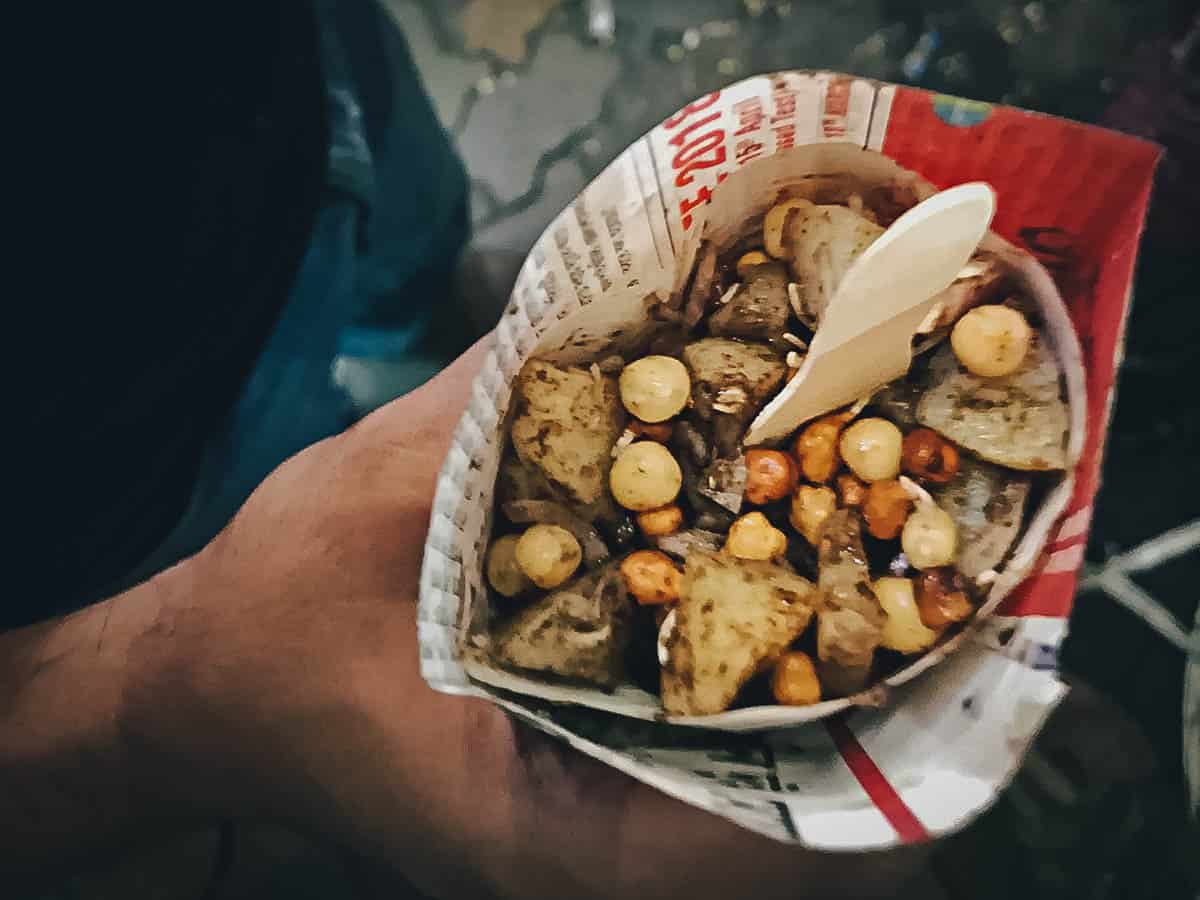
871,448
548,555
886,509
851,491
903,631
774,223
659,432
930,537
645,476
991,340
753,537
794,681
817,448
770,475
942,598
811,506
929,456
657,522
748,261
655,388
503,573
651,577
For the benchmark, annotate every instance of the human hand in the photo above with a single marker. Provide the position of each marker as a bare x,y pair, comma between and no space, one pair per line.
291,673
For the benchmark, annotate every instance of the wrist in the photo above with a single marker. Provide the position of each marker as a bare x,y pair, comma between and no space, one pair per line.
172,713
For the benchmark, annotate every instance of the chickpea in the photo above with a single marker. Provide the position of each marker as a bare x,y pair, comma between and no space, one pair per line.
655,388
991,340
774,223
903,631
811,506
664,520
942,598
659,432
794,681
753,537
748,261
651,577
644,477
886,509
853,493
929,456
548,555
930,537
871,448
817,448
770,475
503,573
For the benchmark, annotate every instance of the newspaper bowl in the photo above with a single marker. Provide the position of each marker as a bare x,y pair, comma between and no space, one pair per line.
632,234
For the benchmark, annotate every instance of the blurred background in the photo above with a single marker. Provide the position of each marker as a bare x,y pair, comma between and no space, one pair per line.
539,95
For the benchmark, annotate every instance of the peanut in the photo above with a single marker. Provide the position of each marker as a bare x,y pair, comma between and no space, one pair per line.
503,573
886,509
753,537
852,491
794,681
929,456
942,597
548,554
811,506
651,577
817,448
770,475
748,261
664,520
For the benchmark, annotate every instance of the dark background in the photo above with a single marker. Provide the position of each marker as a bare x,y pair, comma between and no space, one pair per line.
540,95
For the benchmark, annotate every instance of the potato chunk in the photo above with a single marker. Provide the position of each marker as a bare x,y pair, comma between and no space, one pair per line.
987,503
735,617
567,422
1018,420
851,619
731,382
579,631
759,309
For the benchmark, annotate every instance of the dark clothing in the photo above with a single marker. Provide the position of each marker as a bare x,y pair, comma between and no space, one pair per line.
206,167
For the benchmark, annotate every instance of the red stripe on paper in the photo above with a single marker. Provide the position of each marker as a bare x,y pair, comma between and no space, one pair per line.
880,791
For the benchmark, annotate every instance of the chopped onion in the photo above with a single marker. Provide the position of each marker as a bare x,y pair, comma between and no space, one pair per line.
702,285
683,544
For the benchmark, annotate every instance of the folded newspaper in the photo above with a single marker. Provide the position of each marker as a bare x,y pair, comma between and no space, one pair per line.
932,745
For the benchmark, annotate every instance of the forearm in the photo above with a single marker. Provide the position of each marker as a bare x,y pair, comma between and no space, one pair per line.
70,778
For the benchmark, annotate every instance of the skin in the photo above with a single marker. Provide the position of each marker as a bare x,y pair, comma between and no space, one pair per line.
273,676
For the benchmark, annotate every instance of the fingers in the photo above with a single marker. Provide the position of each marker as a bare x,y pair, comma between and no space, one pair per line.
639,840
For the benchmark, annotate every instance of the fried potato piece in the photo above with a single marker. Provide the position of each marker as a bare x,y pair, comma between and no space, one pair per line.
567,422
731,381
758,310
986,503
850,618
822,243
1018,420
735,617
578,631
